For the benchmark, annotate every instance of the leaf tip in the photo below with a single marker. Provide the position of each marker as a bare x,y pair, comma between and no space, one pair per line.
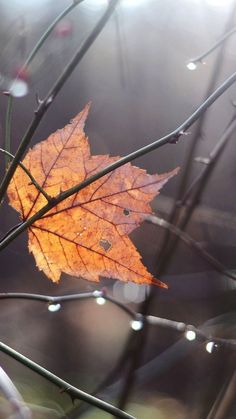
82,116
159,283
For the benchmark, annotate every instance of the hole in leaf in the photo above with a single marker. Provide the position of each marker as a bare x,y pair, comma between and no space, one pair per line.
126,212
105,244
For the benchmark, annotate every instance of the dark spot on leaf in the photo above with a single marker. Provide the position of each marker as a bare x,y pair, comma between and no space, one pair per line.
105,244
126,212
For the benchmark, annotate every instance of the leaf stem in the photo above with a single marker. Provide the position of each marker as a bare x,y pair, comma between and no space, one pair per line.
170,138
44,105
8,128
65,387
35,183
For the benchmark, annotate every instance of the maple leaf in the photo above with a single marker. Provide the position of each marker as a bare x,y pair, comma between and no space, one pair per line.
85,235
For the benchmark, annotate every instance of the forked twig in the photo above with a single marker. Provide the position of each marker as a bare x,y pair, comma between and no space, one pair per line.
33,180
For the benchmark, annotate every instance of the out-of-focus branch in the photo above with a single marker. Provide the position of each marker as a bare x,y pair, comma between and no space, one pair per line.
30,58
13,396
225,398
194,193
8,128
187,239
49,30
198,131
170,138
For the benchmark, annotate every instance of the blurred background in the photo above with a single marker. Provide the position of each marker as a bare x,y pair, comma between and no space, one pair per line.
136,75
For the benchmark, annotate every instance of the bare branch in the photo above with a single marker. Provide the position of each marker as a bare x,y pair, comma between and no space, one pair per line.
135,316
33,180
191,243
169,138
65,387
220,41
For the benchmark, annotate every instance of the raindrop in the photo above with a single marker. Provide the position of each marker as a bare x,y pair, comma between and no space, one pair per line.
18,88
54,307
136,325
190,335
100,301
191,66
211,346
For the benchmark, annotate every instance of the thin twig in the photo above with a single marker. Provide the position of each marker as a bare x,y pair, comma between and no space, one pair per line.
166,247
8,127
151,320
68,298
65,387
46,34
25,65
198,131
198,187
45,104
30,58
168,139
33,180
191,243
220,41
210,163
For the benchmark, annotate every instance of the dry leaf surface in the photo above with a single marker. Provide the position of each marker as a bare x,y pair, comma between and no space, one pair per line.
86,235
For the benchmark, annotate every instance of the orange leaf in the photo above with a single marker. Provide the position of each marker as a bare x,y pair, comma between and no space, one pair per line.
86,235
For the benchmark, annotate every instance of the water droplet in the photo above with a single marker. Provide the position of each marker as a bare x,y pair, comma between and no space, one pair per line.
211,346
136,325
190,335
54,307
18,88
100,301
191,66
